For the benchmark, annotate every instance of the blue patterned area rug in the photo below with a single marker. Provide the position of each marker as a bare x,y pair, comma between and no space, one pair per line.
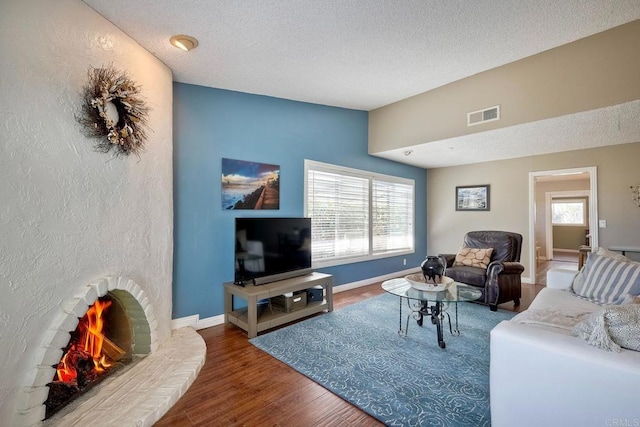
356,353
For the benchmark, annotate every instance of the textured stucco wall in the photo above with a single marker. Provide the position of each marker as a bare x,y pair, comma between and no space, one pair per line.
68,214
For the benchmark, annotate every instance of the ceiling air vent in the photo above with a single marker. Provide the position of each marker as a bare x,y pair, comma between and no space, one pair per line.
483,116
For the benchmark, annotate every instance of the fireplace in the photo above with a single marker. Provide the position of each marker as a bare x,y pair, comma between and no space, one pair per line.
100,345
134,395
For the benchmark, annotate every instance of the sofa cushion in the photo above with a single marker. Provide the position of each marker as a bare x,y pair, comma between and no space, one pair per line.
558,299
470,275
550,318
611,328
561,301
607,280
473,257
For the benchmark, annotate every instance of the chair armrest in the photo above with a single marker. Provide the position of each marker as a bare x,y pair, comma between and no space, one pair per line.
560,278
510,267
504,267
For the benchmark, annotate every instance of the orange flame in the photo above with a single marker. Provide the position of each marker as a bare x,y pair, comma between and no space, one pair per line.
66,370
90,343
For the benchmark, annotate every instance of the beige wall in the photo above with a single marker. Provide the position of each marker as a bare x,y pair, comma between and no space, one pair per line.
569,238
591,73
509,179
541,189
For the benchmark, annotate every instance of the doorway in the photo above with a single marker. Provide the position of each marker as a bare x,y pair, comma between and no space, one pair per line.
572,236
562,180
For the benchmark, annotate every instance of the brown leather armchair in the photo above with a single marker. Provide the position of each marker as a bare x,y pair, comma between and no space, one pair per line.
500,281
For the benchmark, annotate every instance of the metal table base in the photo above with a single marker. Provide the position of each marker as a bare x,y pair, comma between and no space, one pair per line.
436,311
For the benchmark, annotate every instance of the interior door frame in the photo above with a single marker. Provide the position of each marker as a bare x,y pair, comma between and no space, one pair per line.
548,223
593,208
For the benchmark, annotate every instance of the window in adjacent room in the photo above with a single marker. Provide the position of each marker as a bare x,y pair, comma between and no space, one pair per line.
357,215
569,212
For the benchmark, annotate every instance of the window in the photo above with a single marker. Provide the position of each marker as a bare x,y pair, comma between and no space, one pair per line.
569,212
357,215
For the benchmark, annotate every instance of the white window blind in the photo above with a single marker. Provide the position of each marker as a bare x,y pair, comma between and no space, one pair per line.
357,215
393,216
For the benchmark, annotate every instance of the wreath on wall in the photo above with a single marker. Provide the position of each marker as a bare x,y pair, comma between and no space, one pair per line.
114,112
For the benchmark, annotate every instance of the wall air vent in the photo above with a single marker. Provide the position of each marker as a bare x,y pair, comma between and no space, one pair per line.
483,116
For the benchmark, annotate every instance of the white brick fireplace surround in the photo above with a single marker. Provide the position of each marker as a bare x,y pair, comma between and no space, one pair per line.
137,396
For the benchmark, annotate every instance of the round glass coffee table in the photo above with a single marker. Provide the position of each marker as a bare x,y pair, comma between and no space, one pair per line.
433,304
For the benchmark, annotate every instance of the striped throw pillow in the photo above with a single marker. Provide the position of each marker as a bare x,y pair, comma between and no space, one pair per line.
579,279
608,281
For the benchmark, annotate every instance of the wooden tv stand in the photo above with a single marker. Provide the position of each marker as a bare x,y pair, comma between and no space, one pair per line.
247,318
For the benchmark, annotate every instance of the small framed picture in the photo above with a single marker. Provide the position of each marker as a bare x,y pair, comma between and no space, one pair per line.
472,198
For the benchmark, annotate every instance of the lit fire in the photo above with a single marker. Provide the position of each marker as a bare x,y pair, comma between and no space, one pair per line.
88,346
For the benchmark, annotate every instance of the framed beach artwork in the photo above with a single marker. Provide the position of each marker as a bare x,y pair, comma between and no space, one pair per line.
472,198
250,185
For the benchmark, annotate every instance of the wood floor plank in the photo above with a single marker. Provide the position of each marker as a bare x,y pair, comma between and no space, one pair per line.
241,385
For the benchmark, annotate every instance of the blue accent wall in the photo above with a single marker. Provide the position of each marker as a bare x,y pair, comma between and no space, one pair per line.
211,124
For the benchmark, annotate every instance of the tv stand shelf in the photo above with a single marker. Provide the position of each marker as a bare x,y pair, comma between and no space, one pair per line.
251,321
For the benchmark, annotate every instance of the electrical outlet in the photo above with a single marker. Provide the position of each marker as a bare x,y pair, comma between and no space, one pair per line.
602,223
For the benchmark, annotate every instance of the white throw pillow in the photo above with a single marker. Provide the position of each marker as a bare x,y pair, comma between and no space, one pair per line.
611,254
631,299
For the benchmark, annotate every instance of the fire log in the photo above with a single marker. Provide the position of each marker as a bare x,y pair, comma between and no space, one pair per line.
112,351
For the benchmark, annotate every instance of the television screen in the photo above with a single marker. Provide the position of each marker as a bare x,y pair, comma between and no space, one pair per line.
270,249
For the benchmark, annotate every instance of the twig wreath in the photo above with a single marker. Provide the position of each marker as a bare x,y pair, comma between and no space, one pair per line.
113,111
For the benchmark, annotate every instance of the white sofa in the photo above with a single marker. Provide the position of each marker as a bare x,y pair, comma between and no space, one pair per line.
544,376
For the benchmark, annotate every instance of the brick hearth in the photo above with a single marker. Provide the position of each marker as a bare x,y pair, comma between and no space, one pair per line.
142,394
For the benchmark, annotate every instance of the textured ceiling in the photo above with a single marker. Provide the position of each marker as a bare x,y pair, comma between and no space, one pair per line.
619,124
360,54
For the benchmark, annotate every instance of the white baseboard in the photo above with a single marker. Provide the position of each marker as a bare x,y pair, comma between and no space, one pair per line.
184,321
573,251
372,280
195,322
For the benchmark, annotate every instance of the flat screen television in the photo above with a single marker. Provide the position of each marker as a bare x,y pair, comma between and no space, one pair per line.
270,249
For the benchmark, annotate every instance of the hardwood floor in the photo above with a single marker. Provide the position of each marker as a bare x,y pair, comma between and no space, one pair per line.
564,260
240,385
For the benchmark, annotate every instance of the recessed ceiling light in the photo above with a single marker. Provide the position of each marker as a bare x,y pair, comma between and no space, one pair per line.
183,42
